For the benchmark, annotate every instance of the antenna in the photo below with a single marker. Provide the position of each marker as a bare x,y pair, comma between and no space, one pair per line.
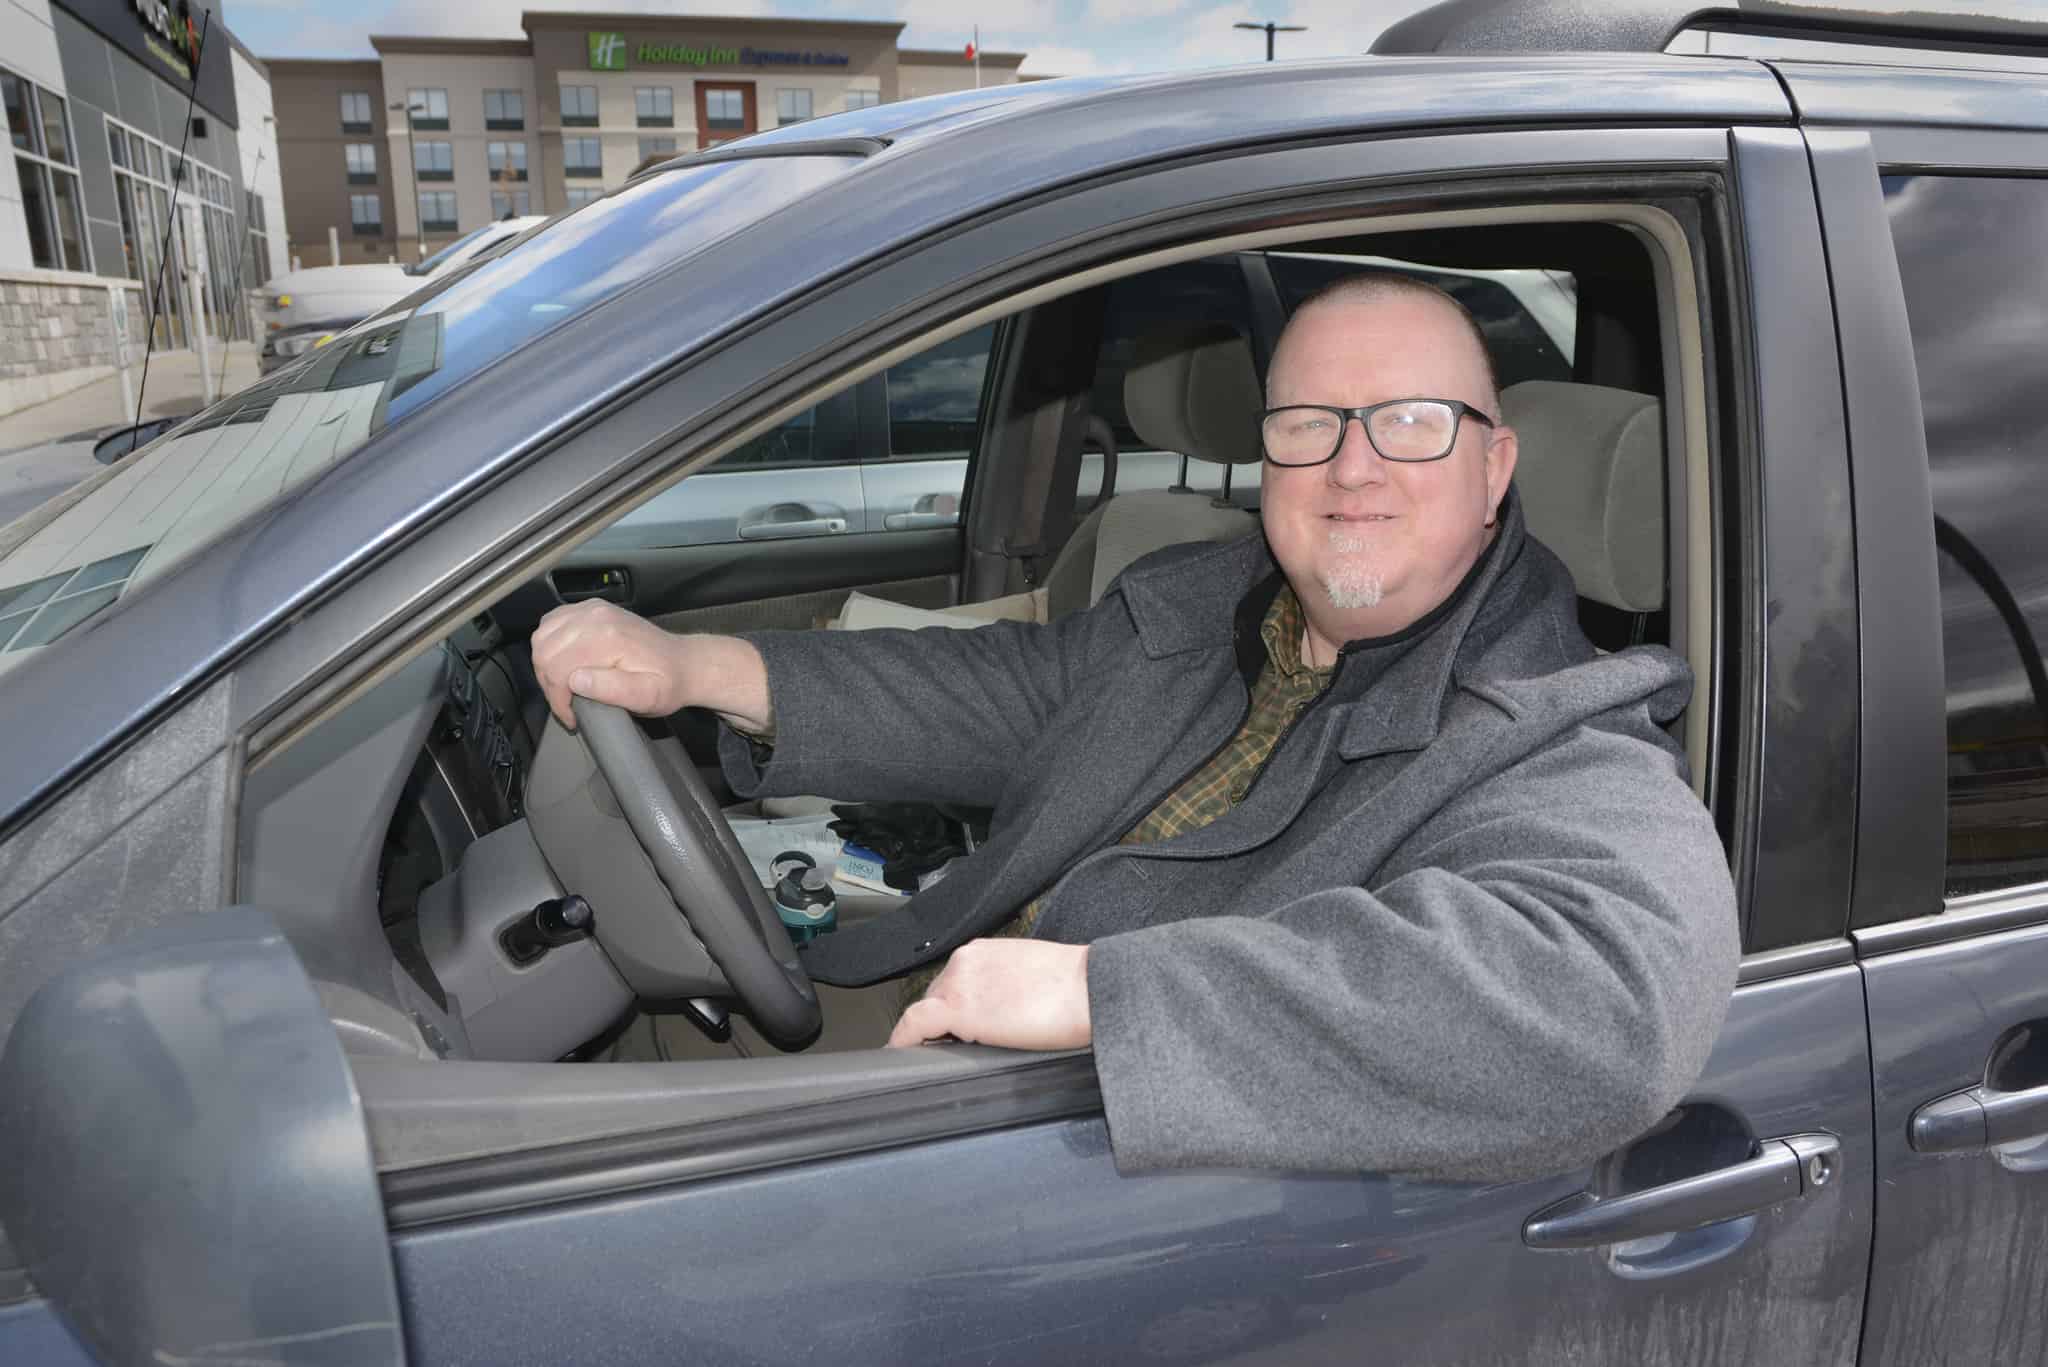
163,260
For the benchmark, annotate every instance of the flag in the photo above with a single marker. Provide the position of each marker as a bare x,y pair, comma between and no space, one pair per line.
970,52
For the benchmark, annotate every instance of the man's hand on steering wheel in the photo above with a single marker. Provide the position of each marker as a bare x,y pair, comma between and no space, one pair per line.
605,653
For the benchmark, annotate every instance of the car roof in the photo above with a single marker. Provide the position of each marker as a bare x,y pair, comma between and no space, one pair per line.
914,168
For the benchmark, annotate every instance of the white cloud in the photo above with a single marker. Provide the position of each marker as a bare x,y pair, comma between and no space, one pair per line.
1102,13
1044,60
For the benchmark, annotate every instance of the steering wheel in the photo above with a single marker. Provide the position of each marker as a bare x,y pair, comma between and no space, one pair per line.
678,824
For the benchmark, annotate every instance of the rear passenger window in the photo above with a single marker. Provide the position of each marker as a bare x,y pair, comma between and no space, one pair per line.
935,399
1976,294
1529,316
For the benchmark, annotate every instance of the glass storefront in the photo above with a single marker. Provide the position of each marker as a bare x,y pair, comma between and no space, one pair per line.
144,172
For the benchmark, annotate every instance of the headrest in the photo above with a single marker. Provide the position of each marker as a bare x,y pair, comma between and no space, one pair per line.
1194,390
1591,475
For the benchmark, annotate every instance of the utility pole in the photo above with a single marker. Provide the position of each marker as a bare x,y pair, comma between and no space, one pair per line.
1269,29
412,175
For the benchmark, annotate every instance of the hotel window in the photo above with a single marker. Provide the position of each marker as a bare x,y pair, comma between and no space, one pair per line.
428,108
355,111
725,111
516,204
582,158
504,110
366,214
579,106
434,160
655,106
792,106
43,162
580,195
863,99
657,147
508,161
437,211
362,162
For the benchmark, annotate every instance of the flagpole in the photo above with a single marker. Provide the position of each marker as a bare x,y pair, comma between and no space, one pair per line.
977,56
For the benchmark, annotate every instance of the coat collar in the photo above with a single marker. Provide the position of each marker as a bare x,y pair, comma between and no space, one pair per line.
1194,603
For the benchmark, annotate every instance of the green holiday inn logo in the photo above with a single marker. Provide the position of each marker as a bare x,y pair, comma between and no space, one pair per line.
607,52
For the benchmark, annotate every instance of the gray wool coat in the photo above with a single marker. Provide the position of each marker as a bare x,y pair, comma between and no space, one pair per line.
1470,923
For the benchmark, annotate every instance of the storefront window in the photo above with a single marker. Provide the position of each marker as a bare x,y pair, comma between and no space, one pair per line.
792,106
863,99
43,160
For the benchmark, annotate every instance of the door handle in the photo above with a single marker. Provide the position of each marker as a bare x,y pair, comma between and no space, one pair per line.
907,522
1783,1170
1980,1118
808,526
930,510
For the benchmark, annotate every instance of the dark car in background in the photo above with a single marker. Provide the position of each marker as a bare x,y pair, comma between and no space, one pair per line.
303,1063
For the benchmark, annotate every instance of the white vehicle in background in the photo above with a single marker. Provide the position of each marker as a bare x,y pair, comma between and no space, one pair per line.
304,308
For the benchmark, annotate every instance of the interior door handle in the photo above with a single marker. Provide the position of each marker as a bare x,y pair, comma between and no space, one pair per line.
808,526
1980,1118
905,522
1783,1170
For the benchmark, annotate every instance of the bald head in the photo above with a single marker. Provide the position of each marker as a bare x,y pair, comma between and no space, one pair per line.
1369,289
1369,544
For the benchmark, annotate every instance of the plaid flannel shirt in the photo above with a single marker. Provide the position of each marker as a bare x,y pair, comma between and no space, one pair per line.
1285,688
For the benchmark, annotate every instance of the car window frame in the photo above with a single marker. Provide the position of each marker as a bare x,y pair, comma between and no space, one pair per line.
386,610
1901,902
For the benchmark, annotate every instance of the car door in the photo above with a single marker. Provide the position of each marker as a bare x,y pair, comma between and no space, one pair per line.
1934,234
987,1221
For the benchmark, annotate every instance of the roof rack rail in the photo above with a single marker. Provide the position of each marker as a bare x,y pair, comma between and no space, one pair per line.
1474,26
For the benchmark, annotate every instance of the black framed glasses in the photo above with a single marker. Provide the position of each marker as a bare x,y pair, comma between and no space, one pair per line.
1399,429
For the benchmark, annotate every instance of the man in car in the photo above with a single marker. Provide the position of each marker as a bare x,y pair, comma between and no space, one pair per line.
1340,845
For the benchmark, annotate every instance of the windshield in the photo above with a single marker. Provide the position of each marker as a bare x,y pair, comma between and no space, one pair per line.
66,561
433,263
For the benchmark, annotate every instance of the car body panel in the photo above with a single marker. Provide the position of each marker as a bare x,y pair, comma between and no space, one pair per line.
889,1256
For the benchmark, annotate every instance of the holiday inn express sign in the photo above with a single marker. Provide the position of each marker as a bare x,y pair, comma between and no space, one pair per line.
610,52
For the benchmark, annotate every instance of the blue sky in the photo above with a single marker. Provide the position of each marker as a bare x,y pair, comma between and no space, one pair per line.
1063,37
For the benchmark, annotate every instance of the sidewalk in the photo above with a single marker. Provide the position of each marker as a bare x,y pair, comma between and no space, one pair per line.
173,388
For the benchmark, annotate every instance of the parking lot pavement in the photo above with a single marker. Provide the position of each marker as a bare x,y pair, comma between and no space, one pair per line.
174,387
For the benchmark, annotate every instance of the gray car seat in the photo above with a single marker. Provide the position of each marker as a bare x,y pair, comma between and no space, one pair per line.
1591,476
1192,391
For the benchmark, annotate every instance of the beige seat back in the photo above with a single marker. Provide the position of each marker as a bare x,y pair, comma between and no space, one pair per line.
1192,391
1591,476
